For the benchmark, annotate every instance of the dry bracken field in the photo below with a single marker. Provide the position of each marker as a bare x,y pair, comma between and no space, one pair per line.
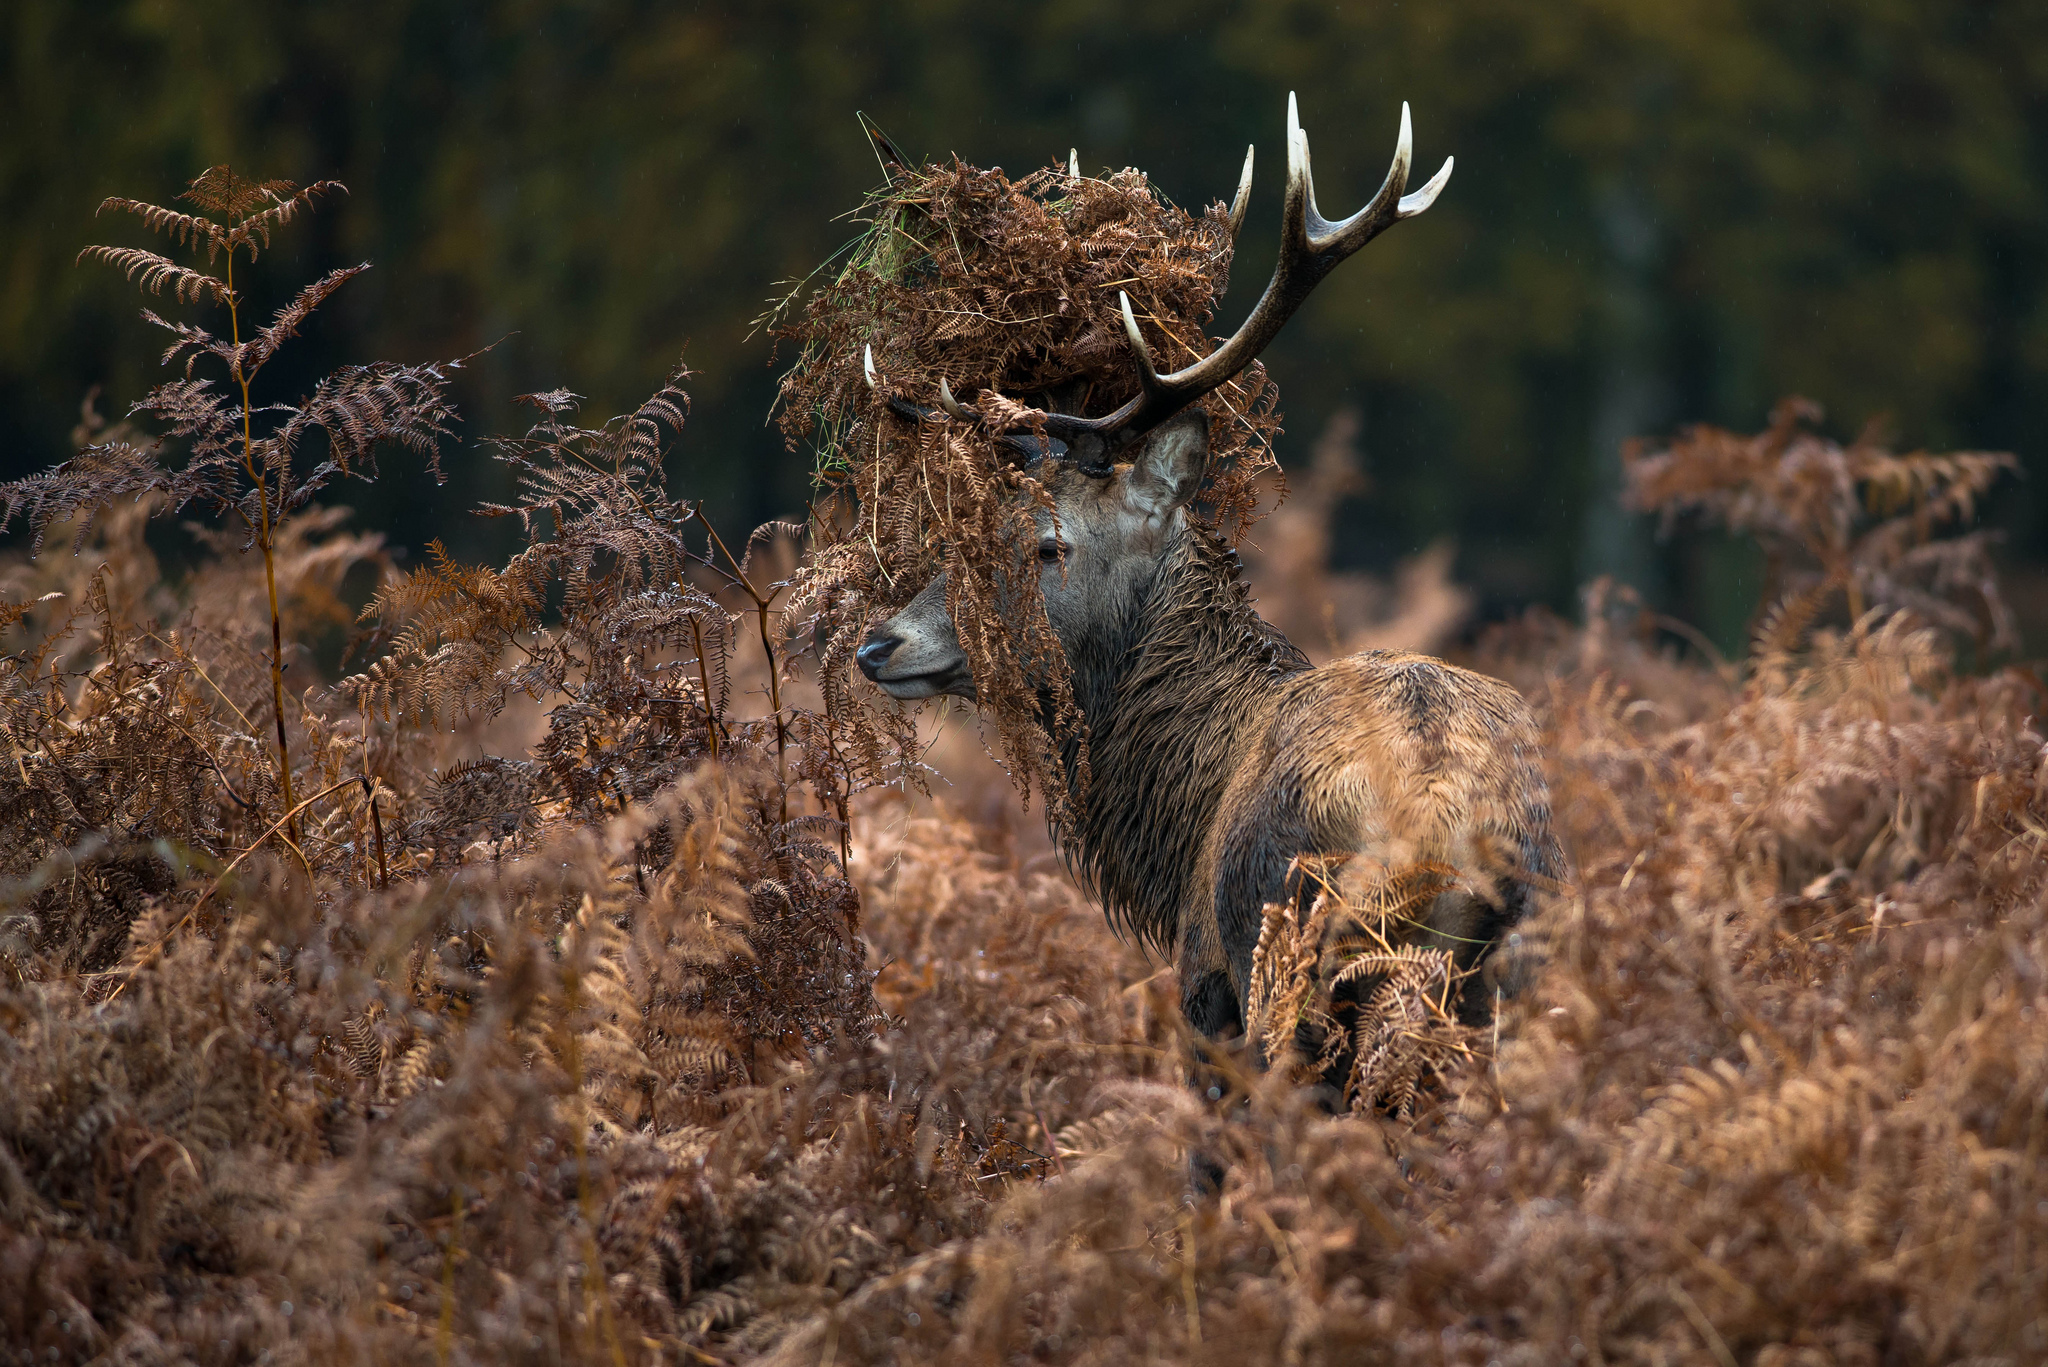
560,980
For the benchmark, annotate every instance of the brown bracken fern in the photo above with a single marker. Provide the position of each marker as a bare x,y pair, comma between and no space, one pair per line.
1852,524
241,460
1332,984
1007,291
613,1003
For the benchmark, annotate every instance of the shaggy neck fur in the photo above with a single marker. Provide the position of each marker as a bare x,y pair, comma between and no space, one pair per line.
1170,695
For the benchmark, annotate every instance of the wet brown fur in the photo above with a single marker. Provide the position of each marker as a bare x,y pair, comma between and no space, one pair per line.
1218,753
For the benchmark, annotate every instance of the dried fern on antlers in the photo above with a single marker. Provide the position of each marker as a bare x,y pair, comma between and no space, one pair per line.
1002,290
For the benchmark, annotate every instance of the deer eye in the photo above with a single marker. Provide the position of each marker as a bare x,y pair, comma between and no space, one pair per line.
1051,552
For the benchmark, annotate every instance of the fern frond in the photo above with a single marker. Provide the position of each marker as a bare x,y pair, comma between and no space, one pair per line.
187,230
192,343
219,190
94,478
154,273
285,203
362,407
767,535
253,353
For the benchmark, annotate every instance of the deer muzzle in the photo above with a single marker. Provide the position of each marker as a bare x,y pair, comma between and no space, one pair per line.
916,653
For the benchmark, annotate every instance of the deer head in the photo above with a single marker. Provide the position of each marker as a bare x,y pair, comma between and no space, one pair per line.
1095,553
1120,483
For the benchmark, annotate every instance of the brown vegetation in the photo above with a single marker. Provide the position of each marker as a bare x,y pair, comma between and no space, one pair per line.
609,1043
1002,291
1330,613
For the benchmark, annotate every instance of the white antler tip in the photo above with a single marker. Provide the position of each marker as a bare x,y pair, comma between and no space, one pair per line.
1144,353
1414,204
1074,162
1297,148
954,408
867,364
1243,198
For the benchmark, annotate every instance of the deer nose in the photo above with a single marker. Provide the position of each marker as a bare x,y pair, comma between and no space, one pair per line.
875,653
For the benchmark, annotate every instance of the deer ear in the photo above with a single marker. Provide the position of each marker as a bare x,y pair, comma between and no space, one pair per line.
1169,464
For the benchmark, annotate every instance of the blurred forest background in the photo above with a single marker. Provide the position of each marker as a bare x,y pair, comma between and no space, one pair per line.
1661,214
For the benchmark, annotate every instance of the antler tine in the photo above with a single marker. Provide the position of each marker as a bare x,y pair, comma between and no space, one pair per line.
1388,207
1244,195
1027,445
1073,163
1310,248
1148,375
953,406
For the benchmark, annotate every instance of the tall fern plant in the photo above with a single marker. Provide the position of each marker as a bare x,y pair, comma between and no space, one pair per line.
220,448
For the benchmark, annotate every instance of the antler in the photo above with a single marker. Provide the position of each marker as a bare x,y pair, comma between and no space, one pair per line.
1023,441
1310,248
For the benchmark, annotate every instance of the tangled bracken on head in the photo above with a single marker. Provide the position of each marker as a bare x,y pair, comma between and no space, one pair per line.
1008,292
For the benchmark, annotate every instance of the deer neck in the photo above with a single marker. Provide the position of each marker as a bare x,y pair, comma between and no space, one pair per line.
1171,698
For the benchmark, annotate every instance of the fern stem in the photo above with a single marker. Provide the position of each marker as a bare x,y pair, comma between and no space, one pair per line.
774,701
739,574
377,824
264,544
704,678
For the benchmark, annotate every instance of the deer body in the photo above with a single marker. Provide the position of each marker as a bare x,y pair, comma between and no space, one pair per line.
1217,754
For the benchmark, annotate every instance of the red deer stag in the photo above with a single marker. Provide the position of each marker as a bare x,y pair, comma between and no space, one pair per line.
1218,752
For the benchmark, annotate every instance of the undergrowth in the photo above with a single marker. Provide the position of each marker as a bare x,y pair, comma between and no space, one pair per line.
614,1003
